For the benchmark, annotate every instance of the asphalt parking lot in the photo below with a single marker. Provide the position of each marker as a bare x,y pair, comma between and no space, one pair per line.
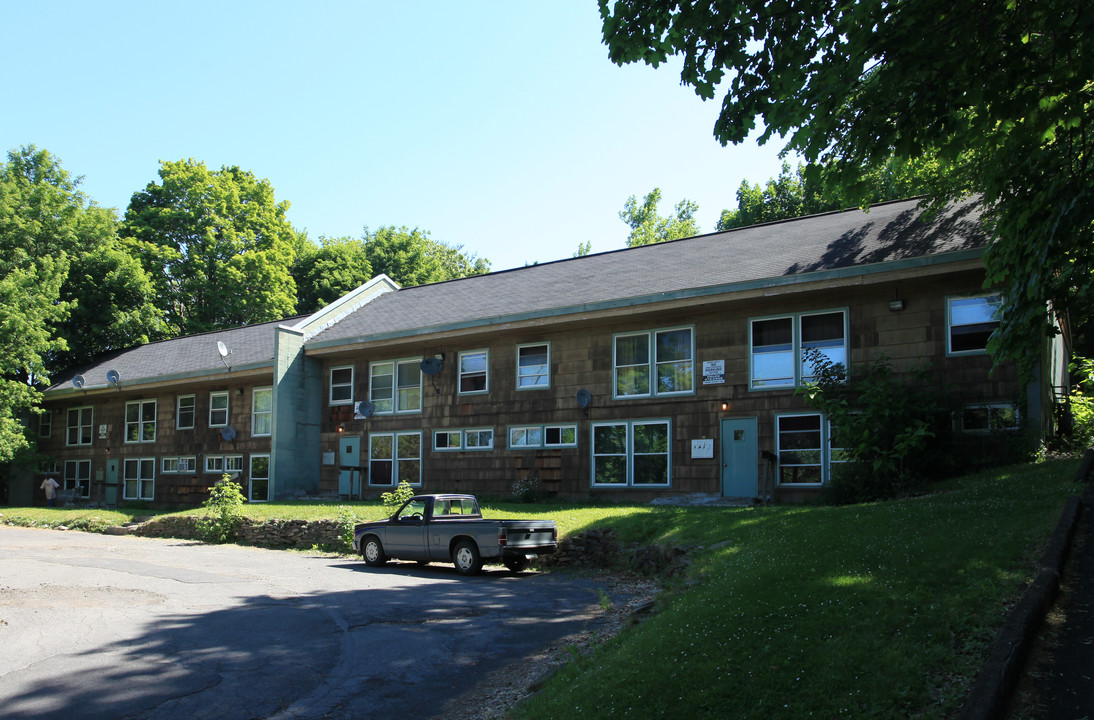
97,626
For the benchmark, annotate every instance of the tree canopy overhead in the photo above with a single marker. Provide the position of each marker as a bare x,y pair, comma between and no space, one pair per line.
1001,92
648,227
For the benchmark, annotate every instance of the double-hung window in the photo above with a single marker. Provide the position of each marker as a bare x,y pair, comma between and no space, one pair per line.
79,426
140,421
262,412
260,478
395,458
780,347
184,412
396,386
473,372
970,321
45,424
533,366
218,409
341,385
78,477
654,363
631,454
805,452
139,479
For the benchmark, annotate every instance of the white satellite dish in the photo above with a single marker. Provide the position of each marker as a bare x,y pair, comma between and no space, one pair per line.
78,381
223,349
113,377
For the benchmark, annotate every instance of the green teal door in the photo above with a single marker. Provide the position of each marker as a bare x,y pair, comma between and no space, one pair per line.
740,458
111,497
349,458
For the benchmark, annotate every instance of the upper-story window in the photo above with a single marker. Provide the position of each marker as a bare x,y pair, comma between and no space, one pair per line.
262,411
970,321
79,426
140,421
184,412
45,424
533,366
218,409
658,362
778,347
473,372
341,385
396,386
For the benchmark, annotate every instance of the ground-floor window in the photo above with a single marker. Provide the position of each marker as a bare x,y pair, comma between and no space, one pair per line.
992,417
631,454
542,436
260,478
474,439
139,479
394,458
78,477
805,450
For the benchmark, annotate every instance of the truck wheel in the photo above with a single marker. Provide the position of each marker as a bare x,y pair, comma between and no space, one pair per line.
516,564
466,558
373,552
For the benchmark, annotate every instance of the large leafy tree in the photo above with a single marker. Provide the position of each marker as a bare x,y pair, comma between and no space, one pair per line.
648,227
218,245
411,257
1000,92
328,271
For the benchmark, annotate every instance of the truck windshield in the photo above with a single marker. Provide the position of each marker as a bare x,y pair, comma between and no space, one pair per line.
413,510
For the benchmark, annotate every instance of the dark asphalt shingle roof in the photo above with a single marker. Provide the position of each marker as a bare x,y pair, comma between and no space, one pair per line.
832,241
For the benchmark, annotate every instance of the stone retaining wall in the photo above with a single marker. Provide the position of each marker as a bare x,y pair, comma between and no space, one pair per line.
299,534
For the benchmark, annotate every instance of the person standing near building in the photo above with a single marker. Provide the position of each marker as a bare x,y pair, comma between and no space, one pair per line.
49,485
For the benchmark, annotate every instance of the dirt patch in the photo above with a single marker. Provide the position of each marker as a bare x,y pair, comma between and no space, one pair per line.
76,596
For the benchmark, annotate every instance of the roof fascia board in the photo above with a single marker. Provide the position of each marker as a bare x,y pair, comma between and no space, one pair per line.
848,273
332,314
243,371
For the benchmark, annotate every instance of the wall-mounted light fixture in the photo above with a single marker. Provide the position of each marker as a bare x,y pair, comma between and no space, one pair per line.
896,305
340,428
725,406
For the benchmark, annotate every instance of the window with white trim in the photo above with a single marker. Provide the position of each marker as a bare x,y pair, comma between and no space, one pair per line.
77,476
185,406
804,450
631,454
218,409
262,412
778,347
473,372
139,479
470,439
233,463
79,426
45,424
341,385
970,322
542,436
534,366
140,421
178,464
395,458
654,363
214,463
988,418
259,478
396,386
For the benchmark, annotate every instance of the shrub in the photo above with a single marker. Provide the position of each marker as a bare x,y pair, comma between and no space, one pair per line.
224,511
398,496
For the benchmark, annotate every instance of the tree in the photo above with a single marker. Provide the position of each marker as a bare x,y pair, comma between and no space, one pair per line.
217,244
648,227
327,272
411,257
999,92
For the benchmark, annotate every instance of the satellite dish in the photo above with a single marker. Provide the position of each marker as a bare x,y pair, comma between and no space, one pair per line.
432,366
228,433
113,377
78,381
584,398
223,349
363,410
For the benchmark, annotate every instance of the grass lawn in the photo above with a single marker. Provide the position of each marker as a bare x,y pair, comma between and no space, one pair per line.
882,610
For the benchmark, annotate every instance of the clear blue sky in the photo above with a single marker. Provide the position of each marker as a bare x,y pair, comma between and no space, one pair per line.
498,126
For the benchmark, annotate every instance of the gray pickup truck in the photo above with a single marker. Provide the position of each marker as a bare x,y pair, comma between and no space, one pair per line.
451,528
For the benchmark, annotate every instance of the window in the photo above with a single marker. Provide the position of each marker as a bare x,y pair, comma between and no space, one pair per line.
230,464
140,421
262,411
233,463
184,412
260,478
178,464
476,439
396,386
78,477
659,362
995,417
778,347
395,458
79,426
631,454
543,436
214,463
970,321
139,479
473,367
218,409
341,385
805,453
45,424
533,366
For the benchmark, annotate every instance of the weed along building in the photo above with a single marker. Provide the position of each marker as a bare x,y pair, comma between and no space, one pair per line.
668,369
